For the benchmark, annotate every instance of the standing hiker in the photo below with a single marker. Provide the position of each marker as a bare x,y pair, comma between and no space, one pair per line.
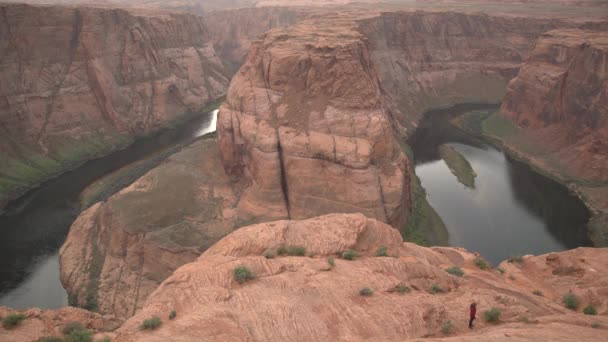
472,312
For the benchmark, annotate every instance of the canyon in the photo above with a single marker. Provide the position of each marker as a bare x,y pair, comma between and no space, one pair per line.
317,104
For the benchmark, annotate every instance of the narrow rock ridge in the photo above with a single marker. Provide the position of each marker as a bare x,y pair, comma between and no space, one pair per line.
78,83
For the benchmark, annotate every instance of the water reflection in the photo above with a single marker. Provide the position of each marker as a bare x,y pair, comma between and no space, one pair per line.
34,227
511,211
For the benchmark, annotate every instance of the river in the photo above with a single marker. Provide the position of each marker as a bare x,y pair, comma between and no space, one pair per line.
34,227
511,210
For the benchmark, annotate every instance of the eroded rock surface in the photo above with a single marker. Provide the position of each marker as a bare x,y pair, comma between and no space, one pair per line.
305,299
118,251
78,83
44,323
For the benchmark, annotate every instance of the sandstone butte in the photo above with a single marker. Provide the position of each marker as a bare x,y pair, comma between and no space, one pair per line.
304,298
311,125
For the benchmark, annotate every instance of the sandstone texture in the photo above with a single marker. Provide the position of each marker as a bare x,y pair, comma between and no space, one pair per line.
303,298
77,83
40,323
118,251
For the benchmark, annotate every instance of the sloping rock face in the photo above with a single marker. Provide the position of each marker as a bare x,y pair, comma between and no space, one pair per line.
78,83
305,299
118,251
304,125
560,97
429,60
42,323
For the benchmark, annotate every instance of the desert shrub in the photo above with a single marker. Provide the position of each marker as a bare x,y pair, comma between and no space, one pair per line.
80,335
268,254
590,310
492,315
500,270
455,270
243,274
331,262
511,277
105,339
571,301
349,255
480,263
524,319
537,293
50,339
172,314
12,320
366,292
382,251
446,327
291,250
400,289
516,259
595,325
151,323
72,326
435,288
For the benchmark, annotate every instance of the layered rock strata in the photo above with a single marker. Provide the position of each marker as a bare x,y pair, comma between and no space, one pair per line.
304,298
78,83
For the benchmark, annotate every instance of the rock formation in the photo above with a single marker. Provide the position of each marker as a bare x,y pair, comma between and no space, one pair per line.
304,125
559,103
78,83
304,298
117,252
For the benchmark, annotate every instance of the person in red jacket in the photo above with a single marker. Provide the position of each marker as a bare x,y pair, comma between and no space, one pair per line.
472,312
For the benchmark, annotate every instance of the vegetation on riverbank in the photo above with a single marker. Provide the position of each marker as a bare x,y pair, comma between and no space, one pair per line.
458,165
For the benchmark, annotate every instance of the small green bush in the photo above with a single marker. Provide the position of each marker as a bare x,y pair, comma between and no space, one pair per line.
595,325
500,270
435,288
492,315
382,251
400,289
268,254
590,310
350,255
366,292
81,335
151,323
446,327
455,270
50,339
511,277
524,319
172,315
480,263
292,250
105,339
72,326
537,293
12,320
243,274
516,259
331,262
571,301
